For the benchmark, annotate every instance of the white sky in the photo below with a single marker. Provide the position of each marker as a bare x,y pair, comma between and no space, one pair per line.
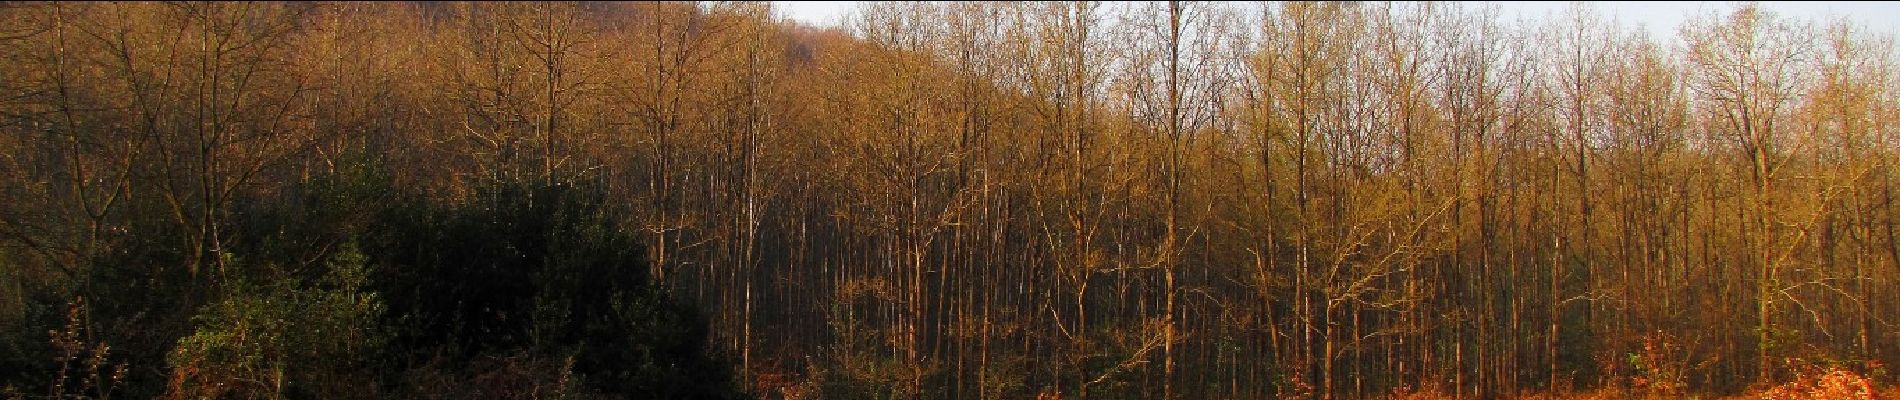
816,13
1660,18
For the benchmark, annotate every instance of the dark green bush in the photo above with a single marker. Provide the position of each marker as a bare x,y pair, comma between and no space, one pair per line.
280,335
349,287
544,269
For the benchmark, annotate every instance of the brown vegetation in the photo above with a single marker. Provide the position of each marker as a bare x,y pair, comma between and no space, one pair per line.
998,200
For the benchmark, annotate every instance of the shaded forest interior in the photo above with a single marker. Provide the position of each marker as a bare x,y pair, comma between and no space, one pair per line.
957,200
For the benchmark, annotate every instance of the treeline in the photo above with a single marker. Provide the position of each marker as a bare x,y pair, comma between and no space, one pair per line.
945,200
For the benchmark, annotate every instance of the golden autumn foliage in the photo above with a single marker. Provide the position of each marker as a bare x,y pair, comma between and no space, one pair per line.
968,200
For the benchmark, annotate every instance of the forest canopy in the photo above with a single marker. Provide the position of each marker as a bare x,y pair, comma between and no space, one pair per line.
1173,200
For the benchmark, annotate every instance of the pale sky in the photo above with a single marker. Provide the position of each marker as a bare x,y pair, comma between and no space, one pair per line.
816,13
1659,17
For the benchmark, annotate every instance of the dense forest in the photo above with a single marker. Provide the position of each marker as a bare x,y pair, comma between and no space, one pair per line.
955,200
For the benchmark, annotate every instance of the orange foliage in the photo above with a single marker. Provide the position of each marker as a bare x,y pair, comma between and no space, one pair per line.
1661,369
1407,393
1831,384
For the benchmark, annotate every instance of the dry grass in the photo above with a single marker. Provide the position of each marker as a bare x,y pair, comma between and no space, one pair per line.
1828,384
1813,383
